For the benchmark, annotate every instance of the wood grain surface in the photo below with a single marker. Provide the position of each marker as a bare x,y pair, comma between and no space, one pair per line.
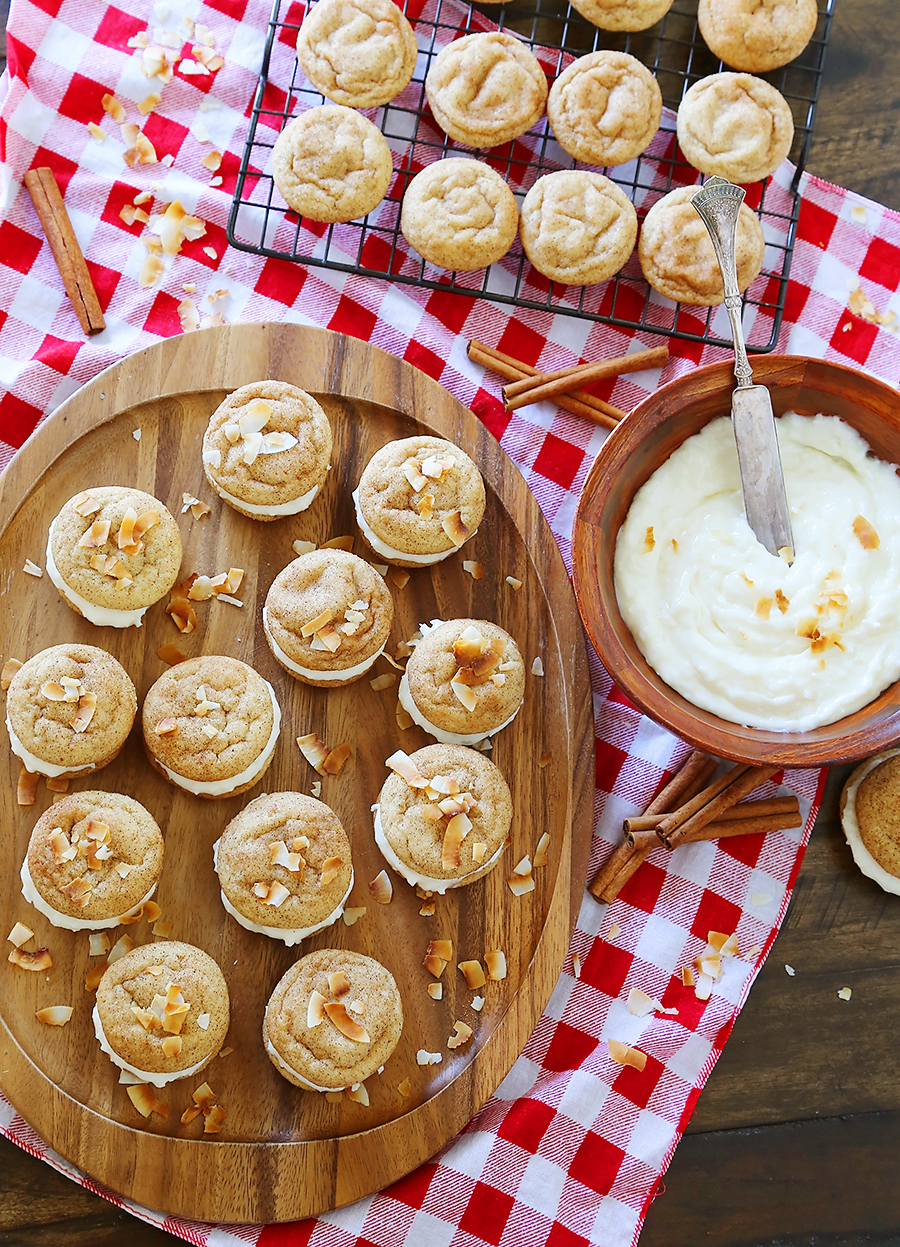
283,1153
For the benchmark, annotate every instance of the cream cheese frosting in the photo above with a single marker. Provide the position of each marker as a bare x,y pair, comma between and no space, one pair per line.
293,507
35,764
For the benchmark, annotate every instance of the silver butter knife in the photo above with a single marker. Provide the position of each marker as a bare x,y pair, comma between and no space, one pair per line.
762,479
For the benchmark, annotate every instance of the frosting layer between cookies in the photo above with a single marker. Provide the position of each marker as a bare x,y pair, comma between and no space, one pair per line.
33,896
102,616
158,1080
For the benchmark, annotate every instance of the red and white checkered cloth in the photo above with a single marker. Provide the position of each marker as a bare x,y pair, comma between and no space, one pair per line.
571,1147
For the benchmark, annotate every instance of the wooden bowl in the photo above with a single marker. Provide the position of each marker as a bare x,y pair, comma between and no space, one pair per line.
631,454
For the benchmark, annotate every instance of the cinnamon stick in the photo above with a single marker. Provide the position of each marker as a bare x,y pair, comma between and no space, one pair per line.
744,827
696,765
579,403
544,385
746,809
741,820
73,270
741,786
688,809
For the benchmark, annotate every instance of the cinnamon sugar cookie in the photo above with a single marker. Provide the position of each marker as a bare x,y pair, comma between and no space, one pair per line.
605,108
266,449
622,14
757,35
736,126
332,164
486,89
360,53
459,214
577,227
677,255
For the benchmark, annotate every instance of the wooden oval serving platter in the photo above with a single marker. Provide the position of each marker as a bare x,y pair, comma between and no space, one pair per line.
283,1153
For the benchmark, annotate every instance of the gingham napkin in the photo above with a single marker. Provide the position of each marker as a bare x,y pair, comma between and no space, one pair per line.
571,1147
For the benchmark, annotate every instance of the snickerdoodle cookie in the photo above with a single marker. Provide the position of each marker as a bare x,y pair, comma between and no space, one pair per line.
870,816
266,449
333,1020
69,710
459,214
449,830
93,858
757,35
605,108
162,1011
360,53
284,866
327,617
677,255
418,501
112,552
211,725
622,14
486,89
577,227
736,126
332,164
465,680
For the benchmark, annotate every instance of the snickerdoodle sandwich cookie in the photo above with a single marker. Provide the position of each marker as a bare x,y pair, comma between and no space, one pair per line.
69,710
677,256
92,860
459,214
112,552
605,108
211,725
360,53
418,501
623,14
757,35
162,1011
486,89
736,126
870,816
267,449
465,680
284,866
333,1020
327,617
442,816
332,164
577,227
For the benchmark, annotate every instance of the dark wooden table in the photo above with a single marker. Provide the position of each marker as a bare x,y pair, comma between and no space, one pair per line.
796,1138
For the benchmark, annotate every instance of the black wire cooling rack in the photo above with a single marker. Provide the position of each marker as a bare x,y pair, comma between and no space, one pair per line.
261,222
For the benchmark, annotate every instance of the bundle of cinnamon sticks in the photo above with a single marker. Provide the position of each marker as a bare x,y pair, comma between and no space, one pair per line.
691,808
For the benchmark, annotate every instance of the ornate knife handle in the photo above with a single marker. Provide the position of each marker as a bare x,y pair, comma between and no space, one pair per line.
719,205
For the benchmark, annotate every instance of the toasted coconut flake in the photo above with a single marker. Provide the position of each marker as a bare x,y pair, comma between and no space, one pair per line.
541,853
20,934
338,983
171,1046
537,667
357,1006
479,849
32,569
381,889
435,990
623,1054
457,829
441,948
473,974
26,790
183,614
261,890
204,1097
146,1017
545,759
315,1009
434,965
411,469
10,667
475,570
78,891
189,1114
359,1095
496,964
303,547
314,625
122,946
149,102
406,769
99,943
524,867
279,855
212,161
203,1021
335,760
40,959
463,1034
55,1015
314,750
171,654
334,1097
844,993
424,504
351,916
114,108
96,132
277,894
337,543
405,1088
423,1057
865,533
212,1121
639,1003
144,1100
87,704
381,682
94,975
404,719
464,694
56,783
330,869
338,1015
95,536
519,885
704,986
455,529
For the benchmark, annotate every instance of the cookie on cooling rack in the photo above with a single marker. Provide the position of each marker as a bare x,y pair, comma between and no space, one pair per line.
677,255
333,1020
359,53
459,214
332,164
577,227
266,449
623,14
736,126
486,89
757,35
605,108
